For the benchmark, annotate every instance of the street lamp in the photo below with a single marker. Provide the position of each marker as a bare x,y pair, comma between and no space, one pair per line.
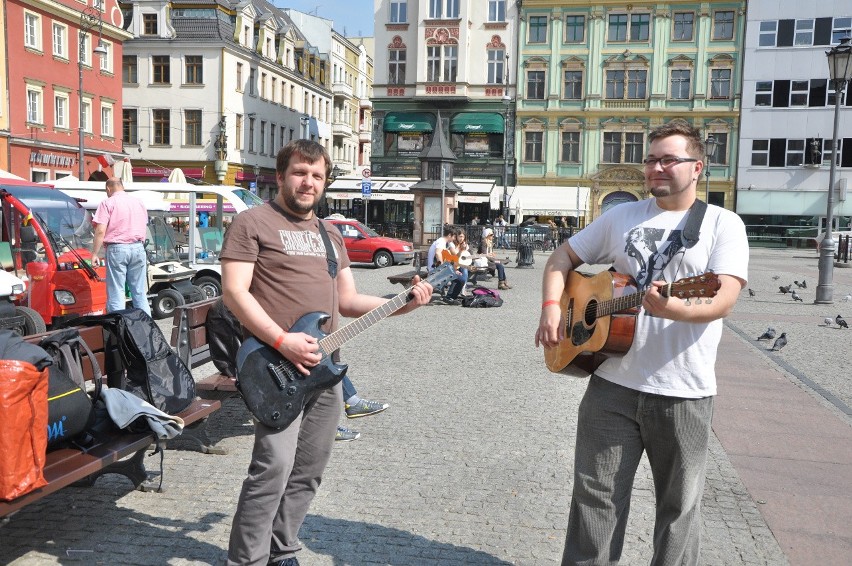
507,101
709,151
305,120
840,71
90,18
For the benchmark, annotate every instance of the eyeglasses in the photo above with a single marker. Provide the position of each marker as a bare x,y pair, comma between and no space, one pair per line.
666,161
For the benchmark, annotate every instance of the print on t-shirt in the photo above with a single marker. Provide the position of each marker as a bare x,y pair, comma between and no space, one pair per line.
302,242
652,252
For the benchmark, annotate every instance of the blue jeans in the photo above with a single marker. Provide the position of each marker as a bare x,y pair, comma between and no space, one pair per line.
614,426
126,264
457,286
348,388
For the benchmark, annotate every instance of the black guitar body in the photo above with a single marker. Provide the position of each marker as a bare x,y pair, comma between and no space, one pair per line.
271,386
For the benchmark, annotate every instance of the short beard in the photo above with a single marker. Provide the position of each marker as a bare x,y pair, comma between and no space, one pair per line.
297,207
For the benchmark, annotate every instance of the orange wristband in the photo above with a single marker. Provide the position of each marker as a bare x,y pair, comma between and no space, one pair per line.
548,303
279,341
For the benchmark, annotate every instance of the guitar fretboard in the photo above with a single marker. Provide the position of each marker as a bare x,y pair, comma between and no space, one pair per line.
342,335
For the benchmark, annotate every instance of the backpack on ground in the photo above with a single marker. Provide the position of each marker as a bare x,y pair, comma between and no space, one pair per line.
70,398
482,297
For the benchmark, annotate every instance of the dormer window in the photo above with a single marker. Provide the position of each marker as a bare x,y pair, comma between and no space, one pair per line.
149,24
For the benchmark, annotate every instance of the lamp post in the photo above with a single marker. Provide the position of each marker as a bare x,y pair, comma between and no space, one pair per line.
507,101
90,18
305,120
840,71
709,151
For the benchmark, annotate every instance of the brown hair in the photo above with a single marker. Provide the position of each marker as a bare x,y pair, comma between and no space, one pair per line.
678,127
308,150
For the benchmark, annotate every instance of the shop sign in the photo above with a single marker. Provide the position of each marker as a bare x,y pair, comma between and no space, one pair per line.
52,159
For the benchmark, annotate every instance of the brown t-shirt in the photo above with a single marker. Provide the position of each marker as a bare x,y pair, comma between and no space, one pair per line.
290,276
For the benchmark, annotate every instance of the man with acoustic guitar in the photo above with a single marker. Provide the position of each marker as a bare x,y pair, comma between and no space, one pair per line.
277,267
657,396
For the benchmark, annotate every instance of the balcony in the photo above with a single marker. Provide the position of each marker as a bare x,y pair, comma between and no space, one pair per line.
626,104
341,90
366,103
341,128
364,134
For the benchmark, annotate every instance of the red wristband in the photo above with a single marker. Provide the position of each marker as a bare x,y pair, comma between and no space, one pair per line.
548,303
279,341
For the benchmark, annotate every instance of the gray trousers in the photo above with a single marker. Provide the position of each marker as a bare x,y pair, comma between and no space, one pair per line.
283,477
615,424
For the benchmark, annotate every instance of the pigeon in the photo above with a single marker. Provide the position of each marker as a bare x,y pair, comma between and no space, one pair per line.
840,322
776,277
827,321
750,292
780,342
847,298
804,284
796,296
768,335
784,289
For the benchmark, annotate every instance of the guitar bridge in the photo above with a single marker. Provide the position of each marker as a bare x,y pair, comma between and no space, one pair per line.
277,375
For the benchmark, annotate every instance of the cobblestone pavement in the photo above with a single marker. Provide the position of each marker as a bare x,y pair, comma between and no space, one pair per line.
470,465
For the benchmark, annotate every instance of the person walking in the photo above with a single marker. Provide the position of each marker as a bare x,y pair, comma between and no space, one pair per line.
500,232
276,267
658,396
121,222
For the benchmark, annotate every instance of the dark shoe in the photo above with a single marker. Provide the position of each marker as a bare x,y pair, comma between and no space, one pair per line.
343,435
451,302
292,561
503,285
364,408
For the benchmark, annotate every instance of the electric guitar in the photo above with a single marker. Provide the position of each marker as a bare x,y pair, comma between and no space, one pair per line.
275,391
600,316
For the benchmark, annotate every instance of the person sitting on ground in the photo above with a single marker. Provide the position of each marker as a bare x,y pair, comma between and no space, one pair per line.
355,407
435,257
460,248
486,249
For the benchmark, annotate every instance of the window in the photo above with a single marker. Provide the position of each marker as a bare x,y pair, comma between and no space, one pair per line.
640,27
239,77
720,83
252,80
129,126
827,152
129,69
799,93
271,139
768,33
612,147
443,8
162,126
635,79
684,24
535,85
273,88
194,70
795,152
634,145
192,127
804,32
238,132
533,146
251,134
538,29
841,27
720,154
262,147
149,24
34,109
32,30
763,93
60,111
575,29
681,84
106,58
570,147
496,60
723,24
86,50
442,63
162,68
87,115
496,10
263,86
396,66
60,40
106,120
398,11
617,30
573,85
760,153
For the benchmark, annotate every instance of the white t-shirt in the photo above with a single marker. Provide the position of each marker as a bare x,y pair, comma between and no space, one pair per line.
667,357
439,244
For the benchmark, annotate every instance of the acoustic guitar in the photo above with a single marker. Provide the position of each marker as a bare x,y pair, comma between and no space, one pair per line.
275,391
600,316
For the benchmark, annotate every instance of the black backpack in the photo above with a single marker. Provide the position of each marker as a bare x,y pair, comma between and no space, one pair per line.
482,297
70,398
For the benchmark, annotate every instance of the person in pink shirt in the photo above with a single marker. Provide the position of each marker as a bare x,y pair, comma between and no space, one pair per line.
120,223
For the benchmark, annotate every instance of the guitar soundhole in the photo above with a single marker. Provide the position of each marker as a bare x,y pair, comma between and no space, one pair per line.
589,314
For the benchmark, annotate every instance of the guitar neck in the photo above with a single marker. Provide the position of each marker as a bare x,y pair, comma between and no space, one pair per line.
618,304
342,335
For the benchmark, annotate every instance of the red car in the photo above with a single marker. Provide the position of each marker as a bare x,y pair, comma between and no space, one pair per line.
365,245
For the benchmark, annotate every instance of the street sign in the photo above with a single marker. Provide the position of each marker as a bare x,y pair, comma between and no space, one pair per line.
366,173
366,189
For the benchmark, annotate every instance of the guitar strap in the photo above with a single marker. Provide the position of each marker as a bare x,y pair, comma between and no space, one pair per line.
689,236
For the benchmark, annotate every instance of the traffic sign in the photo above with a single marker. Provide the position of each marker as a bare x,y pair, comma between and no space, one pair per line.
366,173
366,189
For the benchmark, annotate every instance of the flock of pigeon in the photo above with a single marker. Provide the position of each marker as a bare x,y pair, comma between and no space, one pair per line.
781,341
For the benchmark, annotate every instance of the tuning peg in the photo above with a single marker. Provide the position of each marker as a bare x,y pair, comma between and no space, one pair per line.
688,302
698,301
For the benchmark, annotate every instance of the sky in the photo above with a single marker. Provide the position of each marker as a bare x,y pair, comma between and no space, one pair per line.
351,17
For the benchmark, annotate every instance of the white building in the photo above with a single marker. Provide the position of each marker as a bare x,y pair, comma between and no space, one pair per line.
787,118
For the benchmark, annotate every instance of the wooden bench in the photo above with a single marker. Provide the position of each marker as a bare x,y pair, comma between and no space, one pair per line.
189,339
119,452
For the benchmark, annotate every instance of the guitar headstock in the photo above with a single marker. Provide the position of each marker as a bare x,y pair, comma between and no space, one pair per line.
442,275
703,286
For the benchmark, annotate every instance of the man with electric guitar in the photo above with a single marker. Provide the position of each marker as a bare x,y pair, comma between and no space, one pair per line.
286,277
652,352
